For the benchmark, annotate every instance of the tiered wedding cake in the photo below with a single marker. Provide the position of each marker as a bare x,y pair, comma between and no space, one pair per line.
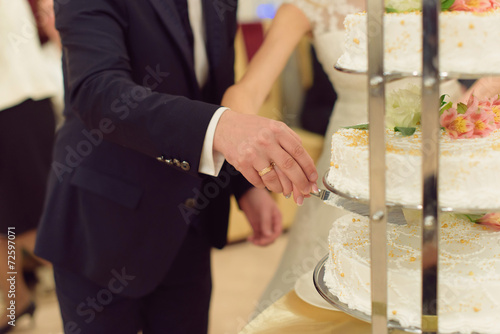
469,259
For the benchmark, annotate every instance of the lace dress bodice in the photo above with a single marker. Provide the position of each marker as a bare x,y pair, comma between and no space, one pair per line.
327,21
328,15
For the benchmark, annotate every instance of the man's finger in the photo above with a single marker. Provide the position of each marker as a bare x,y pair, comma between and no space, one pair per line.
300,155
252,176
268,175
286,184
298,197
291,169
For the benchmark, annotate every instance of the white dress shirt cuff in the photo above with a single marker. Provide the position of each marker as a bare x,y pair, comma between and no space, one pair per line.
211,162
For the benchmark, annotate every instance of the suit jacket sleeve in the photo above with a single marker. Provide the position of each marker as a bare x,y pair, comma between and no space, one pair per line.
101,91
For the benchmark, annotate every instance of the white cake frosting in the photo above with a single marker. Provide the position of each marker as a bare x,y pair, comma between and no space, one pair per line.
469,272
469,168
469,42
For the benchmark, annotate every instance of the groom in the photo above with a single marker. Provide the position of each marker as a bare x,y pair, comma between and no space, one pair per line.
134,203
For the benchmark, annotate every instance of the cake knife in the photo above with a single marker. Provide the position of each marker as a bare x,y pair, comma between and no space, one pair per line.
395,214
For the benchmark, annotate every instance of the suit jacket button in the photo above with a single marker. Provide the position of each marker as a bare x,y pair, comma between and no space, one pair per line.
185,166
190,203
169,162
177,163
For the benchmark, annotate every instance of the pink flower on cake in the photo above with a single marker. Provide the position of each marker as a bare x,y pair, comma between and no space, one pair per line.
495,101
490,219
484,122
495,3
495,109
481,115
457,125
496,115
473,5
474,103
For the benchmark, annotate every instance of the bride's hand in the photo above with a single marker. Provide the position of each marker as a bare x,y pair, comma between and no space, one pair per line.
483,88
254,144
263,215
239,98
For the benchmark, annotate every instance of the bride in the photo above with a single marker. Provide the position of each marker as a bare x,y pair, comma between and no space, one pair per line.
307,242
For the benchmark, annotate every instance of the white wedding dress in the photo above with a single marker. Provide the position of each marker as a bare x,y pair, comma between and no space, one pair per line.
308,235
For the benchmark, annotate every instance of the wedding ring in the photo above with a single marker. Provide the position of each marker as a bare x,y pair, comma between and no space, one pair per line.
267,169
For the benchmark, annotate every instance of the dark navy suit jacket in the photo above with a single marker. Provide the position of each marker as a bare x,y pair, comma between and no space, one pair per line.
124,186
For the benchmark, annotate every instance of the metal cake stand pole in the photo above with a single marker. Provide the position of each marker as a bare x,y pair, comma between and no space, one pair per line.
430,163
378,211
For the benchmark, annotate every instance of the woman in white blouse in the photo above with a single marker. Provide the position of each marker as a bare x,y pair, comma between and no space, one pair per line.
26,139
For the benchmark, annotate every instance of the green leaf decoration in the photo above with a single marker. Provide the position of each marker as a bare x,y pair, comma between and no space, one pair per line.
461,108
358,127
473,218
442,101
446,4
446,107
405,131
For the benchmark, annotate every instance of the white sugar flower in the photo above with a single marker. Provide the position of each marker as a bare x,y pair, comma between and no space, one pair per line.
403,107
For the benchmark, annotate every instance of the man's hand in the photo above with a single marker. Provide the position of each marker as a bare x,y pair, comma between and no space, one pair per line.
48,21
263,215
252,143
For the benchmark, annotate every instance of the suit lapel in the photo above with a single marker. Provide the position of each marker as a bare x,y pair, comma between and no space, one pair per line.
168,14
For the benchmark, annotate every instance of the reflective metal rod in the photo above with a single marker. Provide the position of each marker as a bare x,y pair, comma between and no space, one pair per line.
378,214
430,162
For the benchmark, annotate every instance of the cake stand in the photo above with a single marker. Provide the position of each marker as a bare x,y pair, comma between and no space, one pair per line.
361,206
376,208
392,325
322,288
392,76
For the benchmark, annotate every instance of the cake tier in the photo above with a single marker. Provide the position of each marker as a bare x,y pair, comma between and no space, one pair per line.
469,272
469,42
468,168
